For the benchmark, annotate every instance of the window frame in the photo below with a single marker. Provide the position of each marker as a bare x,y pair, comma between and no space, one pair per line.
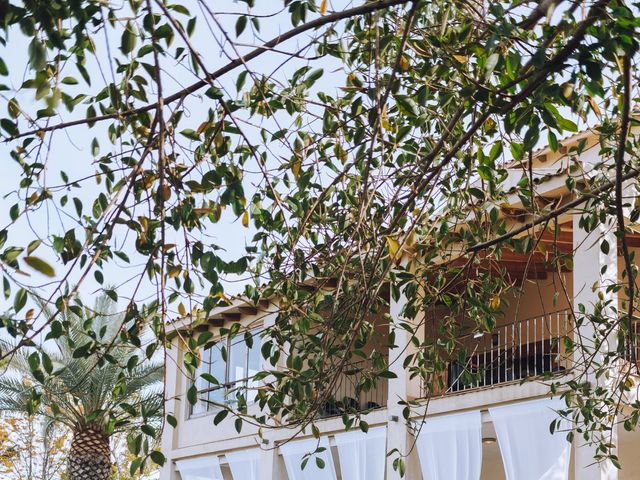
227,386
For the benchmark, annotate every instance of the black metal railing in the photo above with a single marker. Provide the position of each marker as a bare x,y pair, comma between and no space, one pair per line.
631,346
512,352
349,395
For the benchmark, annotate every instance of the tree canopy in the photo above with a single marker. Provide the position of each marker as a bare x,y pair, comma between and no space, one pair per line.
300,149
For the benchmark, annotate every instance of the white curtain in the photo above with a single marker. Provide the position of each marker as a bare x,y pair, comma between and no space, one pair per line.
529,450
244,464
201,468
294,452
450,447
362,455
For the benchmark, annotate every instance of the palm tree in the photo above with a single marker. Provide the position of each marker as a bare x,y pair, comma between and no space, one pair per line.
95,397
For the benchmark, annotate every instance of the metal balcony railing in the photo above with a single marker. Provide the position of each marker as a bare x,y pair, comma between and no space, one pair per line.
526,348
347,397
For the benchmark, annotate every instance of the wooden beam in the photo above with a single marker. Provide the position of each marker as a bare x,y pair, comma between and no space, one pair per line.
216,321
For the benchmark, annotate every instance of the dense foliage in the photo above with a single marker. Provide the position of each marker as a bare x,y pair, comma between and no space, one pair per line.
361,131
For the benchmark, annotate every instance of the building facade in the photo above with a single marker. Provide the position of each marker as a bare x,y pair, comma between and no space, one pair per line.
495,427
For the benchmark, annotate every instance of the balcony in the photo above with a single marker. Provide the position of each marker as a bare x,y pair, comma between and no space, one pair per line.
527,348
354,392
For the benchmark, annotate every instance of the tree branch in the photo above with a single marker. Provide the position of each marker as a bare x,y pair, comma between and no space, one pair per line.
624,130
194,87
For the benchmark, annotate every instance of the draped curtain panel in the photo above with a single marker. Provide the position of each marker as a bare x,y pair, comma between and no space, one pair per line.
529,450
201,468
294,452
244,464
362,455
450,447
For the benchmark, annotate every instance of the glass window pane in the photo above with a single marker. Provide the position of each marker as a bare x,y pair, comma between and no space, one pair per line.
217,364
237,359
255,357
255,363
216,396
205,361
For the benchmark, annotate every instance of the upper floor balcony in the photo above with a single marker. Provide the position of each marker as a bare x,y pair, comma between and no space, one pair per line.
533,347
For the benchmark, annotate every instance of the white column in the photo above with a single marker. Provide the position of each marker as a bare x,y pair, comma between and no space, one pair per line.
589,287
270,466
172,389
400,388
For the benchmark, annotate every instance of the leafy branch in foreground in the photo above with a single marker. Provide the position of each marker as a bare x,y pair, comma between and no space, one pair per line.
364,136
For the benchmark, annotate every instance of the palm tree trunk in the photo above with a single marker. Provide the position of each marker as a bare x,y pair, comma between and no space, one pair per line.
90,455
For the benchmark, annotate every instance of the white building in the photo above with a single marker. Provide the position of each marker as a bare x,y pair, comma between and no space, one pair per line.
494,429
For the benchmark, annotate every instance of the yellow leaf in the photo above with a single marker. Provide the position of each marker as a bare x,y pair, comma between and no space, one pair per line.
404,63
393,246
295,169
567,90
419,50
245,219
323,7
181,310
461,58
596,108
203,126
384,120
165,192
218,140
495,302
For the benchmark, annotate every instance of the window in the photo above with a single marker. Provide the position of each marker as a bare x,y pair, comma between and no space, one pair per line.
233,375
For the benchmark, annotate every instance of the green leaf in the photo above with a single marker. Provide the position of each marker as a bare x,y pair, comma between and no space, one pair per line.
192,394
241,24
553,141
313,77
34,361
95,147
8,126
517,150
135,465
32,246
407,105
190,133
148,430
47,364
492,61
20,300
220,416
171,420
40,266
157,457
242,76
37,55
214,93
128,39
566,124
111,294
